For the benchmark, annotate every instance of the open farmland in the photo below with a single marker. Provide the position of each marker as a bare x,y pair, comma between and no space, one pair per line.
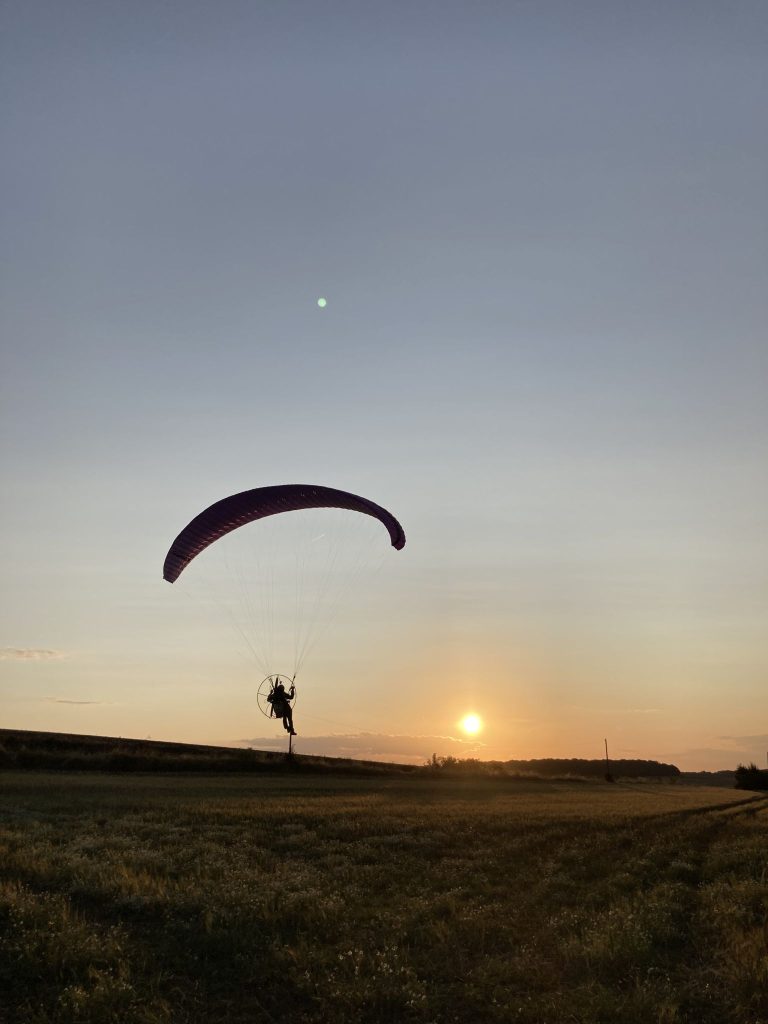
336,899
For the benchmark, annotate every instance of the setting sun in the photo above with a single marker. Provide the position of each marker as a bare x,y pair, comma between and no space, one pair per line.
471,724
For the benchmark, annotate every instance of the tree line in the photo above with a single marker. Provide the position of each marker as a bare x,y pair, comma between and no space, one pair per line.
549,767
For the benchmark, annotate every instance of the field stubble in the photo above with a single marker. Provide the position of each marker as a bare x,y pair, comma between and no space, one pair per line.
144,900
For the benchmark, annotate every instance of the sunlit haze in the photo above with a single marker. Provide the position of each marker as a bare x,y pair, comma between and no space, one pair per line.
540,231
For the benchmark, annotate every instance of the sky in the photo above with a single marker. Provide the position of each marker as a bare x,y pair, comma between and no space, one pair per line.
541,231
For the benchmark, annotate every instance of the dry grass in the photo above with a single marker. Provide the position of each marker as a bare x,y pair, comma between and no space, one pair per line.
156,899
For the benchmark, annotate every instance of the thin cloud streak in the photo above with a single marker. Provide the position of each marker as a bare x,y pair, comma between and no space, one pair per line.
62,700
616,711
31,654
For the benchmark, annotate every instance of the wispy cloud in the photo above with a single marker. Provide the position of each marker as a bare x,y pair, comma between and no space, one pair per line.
373,746
614,711
63,700
30,654
748,741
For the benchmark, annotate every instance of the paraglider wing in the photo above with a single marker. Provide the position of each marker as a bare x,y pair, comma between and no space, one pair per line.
237,510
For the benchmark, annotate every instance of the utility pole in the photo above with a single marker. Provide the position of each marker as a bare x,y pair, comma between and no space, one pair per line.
608,776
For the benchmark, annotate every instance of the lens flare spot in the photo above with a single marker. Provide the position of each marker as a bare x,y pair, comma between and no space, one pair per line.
322,303
471,724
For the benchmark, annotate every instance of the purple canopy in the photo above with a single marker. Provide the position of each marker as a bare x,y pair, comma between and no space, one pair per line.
237,510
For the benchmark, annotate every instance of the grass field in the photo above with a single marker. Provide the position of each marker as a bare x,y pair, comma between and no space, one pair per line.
299,899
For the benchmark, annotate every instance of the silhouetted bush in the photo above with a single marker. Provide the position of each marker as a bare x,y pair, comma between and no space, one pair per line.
751,777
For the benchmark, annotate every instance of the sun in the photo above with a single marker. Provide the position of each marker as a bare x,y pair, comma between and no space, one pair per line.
471,724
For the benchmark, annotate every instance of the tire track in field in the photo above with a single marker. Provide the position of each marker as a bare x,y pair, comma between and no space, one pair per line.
700,835
744,806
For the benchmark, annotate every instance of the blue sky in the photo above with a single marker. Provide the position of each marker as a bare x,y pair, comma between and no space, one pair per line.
541,231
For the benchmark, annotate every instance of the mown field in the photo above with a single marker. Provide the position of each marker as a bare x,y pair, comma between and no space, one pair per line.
298,899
